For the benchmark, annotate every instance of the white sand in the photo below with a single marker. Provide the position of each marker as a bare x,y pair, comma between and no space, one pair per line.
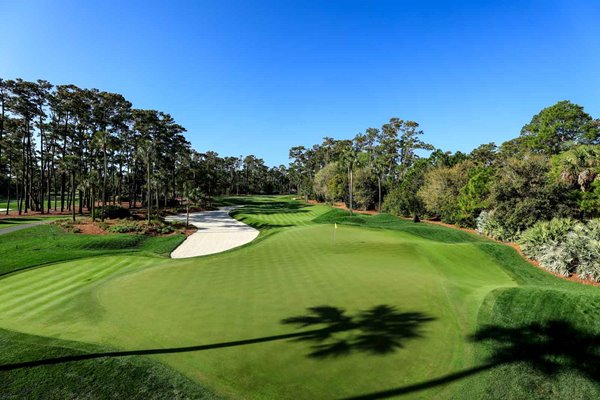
217,232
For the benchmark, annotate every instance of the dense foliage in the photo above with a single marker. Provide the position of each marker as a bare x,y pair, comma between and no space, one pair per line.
565,246
552,170
67,148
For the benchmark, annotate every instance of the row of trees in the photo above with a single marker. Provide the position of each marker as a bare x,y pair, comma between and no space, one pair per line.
552,169
359,171
67,148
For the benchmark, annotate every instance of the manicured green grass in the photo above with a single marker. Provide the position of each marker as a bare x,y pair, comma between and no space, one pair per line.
45,244
375,308
107,378
14,204
8,222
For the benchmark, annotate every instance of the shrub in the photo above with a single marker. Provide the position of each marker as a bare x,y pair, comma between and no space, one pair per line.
565,246
488,224
522,194
545,233
165,229
555,257
112,212
329,183
103,225
441,190
126,228
67,226
584,244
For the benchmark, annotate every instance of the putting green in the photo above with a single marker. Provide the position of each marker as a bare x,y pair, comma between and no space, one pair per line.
376,308
139,303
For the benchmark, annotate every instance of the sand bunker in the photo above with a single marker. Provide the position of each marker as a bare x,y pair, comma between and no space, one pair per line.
217,232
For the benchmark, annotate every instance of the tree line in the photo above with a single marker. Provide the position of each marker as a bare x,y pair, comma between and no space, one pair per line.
64,148
551,169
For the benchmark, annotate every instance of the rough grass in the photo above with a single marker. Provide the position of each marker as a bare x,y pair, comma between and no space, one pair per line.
385,308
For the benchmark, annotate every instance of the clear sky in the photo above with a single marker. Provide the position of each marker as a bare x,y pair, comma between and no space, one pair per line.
261,76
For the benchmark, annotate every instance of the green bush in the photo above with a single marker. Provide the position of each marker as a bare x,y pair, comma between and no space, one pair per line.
489,225
67,226
565,246
584,243
112,212
545,233
125,228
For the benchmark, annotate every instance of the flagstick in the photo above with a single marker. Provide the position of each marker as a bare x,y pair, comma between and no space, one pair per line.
334,229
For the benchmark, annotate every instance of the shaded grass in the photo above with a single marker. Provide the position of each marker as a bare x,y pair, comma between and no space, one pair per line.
49,243
123,378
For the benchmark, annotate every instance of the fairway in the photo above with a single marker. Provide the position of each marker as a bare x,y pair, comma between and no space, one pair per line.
306,311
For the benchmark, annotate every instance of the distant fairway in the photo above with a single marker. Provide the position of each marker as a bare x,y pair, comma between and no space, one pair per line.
397,305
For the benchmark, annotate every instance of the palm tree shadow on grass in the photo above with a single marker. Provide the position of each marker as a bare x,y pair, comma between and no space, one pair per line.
379,330
549,348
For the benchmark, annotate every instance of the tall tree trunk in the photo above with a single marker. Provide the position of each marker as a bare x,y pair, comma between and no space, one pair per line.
148,197
19,192
120,189
26,158
55,188
379,193
103,183
49,180
42,164
73,195
63,183
9,184
63,177
80,203
350,188
1,127
187,211
92,203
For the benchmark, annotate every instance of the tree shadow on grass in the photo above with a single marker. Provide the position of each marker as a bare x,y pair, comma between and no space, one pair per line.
549,348
379,330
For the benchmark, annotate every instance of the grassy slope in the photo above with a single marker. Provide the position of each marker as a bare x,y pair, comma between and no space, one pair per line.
8,222
128,377
243,294
49,243
117,378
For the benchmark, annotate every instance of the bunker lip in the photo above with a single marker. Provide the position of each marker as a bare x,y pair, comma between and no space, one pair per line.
217,232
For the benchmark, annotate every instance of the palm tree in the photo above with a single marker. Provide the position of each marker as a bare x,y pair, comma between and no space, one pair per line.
193,195
578,166
348,159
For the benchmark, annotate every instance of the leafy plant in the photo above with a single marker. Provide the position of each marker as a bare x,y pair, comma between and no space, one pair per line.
125,228
112,212
565,246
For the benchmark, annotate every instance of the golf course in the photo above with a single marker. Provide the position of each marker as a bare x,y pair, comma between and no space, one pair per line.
324,304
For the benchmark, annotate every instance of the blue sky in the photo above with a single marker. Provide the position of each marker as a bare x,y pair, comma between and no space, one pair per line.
262,76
